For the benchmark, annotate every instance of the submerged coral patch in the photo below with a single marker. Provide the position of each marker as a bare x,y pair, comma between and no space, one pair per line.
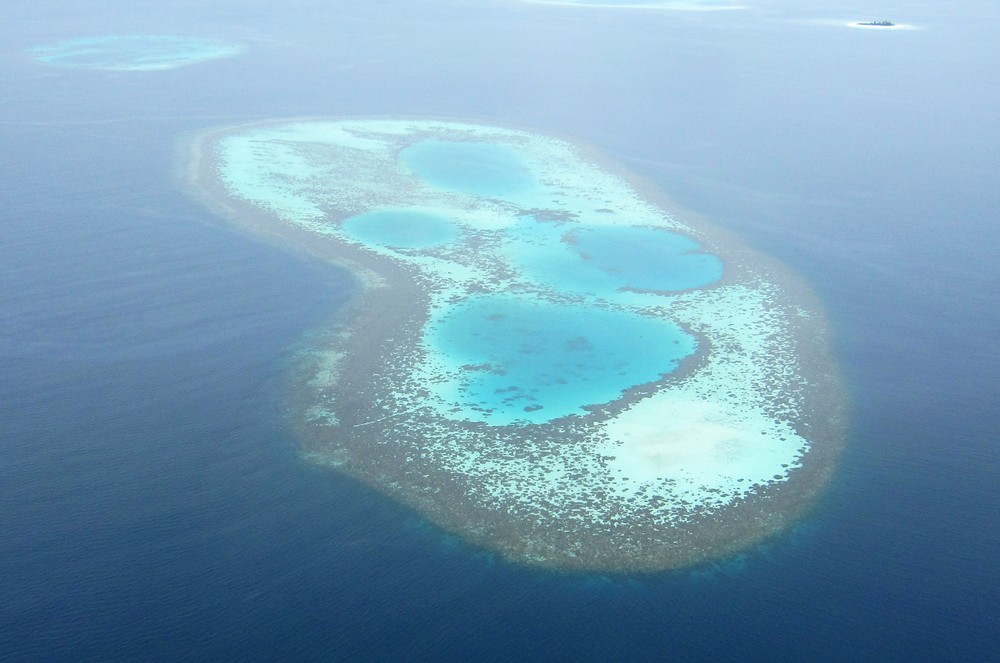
672,5
539,358
132,52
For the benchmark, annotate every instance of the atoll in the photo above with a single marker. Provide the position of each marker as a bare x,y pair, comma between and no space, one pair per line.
539,357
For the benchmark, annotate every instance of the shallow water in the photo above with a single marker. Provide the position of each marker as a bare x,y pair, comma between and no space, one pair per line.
608,260
401,229
537,361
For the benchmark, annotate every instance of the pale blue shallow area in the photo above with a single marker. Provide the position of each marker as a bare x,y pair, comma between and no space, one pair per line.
529,360
400,229
692,5
481,169
132,52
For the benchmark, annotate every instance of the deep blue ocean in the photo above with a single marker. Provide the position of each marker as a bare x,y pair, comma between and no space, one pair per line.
152,502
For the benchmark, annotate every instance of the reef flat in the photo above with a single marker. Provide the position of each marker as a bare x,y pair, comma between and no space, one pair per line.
539,358
132,52
669,5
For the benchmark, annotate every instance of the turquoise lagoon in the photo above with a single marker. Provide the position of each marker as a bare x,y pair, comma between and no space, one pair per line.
481,169
400,229
595,259
521,359
539,358
132,52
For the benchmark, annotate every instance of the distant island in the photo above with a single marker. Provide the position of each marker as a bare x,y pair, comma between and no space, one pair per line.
877,24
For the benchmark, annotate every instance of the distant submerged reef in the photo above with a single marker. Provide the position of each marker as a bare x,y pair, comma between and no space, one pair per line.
132,52
674,5
540,357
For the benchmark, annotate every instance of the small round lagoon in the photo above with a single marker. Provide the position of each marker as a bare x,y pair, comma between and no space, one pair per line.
482,169
517,359
400,229
609,259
